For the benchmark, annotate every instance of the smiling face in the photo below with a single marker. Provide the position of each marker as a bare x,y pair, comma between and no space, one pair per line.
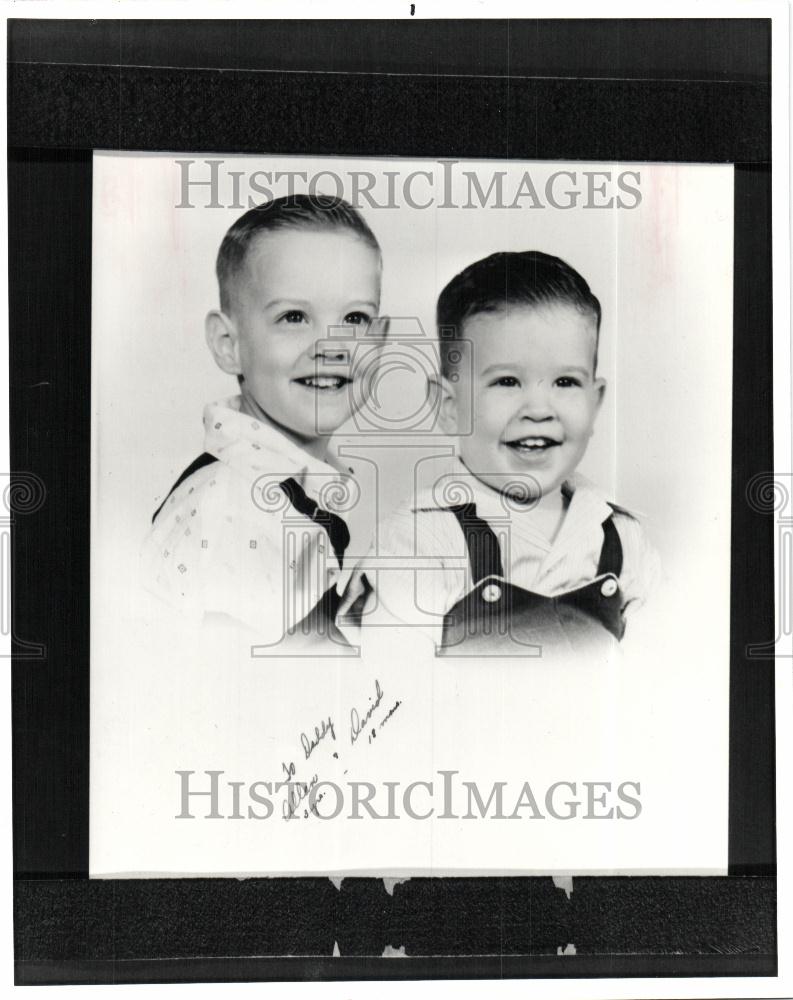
297,288
529,395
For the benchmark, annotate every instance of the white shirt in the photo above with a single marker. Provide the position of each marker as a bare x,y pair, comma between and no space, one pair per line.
228,542
431,571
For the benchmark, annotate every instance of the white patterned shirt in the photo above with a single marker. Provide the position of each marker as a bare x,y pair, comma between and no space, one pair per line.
228,543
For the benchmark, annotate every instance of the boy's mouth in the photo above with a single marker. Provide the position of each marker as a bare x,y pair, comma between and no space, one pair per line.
532,443
324,383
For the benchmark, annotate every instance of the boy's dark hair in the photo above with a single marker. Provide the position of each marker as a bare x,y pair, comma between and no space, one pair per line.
528,278
295,211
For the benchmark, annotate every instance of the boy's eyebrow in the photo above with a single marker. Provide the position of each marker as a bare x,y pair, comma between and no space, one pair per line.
362,302
305,302
277,302
500,366
576,368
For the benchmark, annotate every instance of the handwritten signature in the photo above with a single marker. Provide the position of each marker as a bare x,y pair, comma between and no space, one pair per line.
357,722
389,713
297,792
310,743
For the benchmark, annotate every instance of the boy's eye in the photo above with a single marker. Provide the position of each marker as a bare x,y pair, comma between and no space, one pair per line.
568,382
357,319
293,316
506,382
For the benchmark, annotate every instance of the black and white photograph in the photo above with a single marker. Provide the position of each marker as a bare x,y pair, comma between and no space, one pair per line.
374,471
398,532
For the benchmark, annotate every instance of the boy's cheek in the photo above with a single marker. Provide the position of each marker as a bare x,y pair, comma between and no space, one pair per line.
489,418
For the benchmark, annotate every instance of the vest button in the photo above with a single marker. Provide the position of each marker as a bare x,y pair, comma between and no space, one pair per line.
491,593
609,587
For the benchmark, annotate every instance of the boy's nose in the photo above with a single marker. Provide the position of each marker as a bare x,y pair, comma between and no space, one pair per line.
536,405
335,355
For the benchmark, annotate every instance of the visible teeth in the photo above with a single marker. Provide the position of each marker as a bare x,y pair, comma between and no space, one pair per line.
532,442
324,381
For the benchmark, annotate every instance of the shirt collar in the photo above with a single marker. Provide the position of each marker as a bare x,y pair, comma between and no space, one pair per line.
587,502
254,448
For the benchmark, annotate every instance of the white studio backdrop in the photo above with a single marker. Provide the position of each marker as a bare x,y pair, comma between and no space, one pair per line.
663,273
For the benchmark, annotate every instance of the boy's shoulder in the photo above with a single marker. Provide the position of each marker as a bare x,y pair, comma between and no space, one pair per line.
194,478
584,489
208,534
418,525
206,492
595,506
641,562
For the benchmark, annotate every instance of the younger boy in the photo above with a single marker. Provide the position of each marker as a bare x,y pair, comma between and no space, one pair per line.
249,532
519,553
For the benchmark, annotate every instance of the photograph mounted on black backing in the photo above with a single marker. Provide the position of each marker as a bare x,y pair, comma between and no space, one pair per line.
414,497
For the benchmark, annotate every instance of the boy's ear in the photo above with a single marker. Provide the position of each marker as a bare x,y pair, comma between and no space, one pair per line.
223,342
600,389
442,395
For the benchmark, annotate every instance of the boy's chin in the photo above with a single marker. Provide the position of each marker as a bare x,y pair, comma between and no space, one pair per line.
324,428
520,488
524,489
324,420
319,432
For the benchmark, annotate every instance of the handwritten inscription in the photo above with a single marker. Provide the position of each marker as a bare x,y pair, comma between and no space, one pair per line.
359,722
299,801
389,713
310,743
297,792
